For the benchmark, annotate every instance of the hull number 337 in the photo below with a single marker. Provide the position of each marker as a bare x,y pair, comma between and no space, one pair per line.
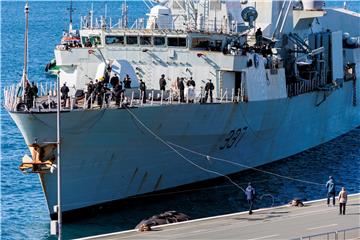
233,138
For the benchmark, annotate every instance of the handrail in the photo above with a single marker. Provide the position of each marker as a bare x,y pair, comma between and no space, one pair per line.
46,99
336,234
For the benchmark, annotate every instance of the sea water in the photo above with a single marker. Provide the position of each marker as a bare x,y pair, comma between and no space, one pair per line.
24,213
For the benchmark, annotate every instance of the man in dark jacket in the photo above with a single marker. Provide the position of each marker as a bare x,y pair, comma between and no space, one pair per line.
118,92
331,191
191,82
250,196
64,92
181,88
258,37
114,80
162,82
209,87
34,90
127,81
142,91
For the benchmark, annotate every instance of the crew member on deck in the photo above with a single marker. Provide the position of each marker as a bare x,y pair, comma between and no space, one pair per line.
34,90
114,80
142,91
209,87
162,82
28,95
127,81
118,93
64,93
181,88
90,90
258,37
191,82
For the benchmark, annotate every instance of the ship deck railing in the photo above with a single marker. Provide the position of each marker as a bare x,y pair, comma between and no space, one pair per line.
46,101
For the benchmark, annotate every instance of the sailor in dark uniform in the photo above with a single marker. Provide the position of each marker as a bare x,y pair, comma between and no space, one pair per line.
209,87
64,93
181,87
114,80
142,91
162,82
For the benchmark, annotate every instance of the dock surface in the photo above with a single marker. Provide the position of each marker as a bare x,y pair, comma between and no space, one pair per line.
282,222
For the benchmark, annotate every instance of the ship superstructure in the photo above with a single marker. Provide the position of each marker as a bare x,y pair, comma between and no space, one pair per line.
287,88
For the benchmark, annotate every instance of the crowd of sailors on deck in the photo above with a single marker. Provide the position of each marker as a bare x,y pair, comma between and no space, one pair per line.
112,88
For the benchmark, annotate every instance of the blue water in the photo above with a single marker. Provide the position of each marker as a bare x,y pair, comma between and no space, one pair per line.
24,214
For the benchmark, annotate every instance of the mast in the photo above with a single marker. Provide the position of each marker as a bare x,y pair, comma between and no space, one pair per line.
25,70
124,13
71,10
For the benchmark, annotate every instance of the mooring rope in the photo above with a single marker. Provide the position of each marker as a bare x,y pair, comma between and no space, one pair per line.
243,165
181,155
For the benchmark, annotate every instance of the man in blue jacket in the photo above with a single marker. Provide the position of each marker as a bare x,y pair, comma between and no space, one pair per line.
330,186
250,195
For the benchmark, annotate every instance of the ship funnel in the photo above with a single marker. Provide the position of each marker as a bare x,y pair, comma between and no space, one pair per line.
249,14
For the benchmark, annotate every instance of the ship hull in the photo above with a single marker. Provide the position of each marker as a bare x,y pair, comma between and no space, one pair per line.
108,155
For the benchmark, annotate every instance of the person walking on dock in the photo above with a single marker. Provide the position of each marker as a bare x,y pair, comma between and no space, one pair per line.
330,186
250,195
342,200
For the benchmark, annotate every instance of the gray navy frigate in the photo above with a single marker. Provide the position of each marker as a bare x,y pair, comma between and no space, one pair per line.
276,91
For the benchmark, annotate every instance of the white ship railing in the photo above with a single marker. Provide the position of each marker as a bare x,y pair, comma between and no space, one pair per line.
46,100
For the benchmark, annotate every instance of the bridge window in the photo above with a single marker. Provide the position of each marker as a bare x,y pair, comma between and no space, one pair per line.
200,44
131,40
145,40
114,40
159,41
176,42
95,40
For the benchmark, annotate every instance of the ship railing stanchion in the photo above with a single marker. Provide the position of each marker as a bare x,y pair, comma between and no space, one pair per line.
121,99
170,97
85,101
152,97
226,95
238,95
187,95
91,100
46,88
232,95
141,98
162,95
104,101
132,99
71,103
221,95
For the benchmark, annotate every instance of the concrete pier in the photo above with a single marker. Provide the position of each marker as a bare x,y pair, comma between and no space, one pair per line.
282,222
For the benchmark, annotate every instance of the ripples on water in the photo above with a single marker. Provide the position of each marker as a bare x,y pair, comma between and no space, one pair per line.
24,214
